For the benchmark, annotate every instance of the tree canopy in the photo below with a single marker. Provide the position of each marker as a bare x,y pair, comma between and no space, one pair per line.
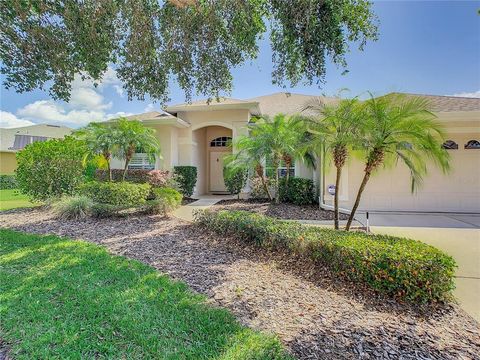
44,43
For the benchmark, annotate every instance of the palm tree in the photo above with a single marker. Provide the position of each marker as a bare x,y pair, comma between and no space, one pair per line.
398,127
131,136
100,139
334,130
280,139
249,154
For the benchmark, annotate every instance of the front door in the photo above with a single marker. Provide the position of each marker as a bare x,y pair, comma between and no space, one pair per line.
216,172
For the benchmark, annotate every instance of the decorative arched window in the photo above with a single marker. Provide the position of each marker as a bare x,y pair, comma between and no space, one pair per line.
472,144
450,145
221,141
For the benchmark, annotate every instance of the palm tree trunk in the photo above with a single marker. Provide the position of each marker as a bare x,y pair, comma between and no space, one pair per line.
335,199
259,170
277,184
107,157
366,176
128,157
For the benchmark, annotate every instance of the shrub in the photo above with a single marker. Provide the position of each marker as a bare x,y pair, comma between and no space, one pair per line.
105,210
257,191
166,200
403,268
187,178
299,191
73,207
51,168
235,179
123,194
156,178
8,182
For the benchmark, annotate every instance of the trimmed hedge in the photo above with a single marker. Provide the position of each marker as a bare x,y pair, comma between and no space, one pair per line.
403,268
166,200
50,169
156,178
299,191
8,182
186,178
235,179
123,194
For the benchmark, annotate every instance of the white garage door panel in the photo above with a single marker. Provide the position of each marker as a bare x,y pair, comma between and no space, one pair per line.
389,189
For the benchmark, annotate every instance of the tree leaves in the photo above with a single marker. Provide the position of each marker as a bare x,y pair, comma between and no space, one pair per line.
195,43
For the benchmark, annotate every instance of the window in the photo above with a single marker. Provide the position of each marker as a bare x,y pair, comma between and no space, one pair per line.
450,145
282,169
222,141
141,161
23,140
472,144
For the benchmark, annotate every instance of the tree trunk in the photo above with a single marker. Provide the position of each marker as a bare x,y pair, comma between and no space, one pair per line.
259,170
277,183
128,157
359,196
335,201
107,157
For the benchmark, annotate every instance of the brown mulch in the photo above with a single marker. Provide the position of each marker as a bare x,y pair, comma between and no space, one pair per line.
315,315
279,211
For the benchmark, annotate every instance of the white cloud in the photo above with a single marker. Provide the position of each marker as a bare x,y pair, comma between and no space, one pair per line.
475,94
149,107
119,90
9,120
86,104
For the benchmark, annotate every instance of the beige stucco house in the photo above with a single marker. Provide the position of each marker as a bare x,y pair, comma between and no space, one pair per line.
15,139
197,134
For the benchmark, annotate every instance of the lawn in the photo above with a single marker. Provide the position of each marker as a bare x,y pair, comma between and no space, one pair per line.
61,298
12,199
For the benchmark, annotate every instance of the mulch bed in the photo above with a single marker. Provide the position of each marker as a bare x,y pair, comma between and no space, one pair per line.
315,315
279,211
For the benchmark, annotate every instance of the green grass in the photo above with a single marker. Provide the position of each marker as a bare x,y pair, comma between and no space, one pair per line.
13,199
71,299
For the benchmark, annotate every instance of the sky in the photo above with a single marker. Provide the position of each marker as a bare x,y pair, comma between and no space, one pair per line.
424,47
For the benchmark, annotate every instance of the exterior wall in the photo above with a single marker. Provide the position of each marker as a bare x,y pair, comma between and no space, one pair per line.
200,160
8,163
168,137
389,189
194,141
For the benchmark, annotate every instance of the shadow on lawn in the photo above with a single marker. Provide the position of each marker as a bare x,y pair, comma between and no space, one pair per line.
73,299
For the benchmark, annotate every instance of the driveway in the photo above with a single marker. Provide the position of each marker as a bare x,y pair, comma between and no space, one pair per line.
456,234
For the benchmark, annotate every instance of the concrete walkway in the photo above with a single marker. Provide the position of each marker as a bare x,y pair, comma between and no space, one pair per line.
185,212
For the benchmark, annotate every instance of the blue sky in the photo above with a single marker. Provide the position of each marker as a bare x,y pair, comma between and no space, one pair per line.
425,47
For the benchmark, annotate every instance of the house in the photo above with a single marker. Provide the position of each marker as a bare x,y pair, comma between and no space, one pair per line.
198,133
15,139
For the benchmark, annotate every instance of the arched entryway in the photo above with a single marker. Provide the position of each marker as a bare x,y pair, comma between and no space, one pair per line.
212,144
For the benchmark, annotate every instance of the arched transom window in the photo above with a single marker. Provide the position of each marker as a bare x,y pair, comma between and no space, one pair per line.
221,141
450,145
472,144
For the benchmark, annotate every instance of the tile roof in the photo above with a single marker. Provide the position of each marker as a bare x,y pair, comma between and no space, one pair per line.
152,115
287,103
441,103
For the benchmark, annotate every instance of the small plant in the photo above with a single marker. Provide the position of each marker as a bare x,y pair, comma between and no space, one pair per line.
123,194
105,210
8,182
187,179
73,207
299,191
402,268
235,179
166,200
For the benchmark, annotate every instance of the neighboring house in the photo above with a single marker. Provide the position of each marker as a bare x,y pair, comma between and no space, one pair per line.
15,139
198,134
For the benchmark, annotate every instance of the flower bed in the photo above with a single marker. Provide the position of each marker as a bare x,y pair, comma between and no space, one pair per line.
406,269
